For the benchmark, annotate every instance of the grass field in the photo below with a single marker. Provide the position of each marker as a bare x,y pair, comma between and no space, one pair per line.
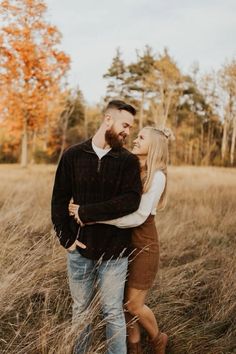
194,297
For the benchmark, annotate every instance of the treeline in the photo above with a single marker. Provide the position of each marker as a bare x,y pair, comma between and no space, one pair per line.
201,110
40,115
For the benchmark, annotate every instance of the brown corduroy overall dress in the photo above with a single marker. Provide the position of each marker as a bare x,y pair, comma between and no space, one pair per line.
144,260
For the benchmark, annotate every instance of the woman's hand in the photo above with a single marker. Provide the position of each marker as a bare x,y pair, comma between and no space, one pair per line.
74,211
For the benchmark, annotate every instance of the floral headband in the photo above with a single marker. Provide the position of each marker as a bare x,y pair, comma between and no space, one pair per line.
166,132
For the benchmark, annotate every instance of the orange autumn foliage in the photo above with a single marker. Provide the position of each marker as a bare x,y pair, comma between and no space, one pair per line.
32,68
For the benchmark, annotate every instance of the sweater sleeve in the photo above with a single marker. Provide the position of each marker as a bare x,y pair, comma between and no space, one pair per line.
61,195
125,203
149,201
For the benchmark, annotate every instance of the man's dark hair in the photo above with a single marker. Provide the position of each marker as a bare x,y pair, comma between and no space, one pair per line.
121,105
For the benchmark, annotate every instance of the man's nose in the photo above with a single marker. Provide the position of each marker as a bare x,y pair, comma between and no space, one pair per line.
127,131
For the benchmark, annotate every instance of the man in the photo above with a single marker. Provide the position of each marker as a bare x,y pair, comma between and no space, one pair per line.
104,179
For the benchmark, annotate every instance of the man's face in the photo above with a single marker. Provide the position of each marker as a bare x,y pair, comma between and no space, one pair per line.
119,129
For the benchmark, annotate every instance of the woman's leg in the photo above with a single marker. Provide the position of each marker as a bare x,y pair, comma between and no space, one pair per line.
135,305
133,328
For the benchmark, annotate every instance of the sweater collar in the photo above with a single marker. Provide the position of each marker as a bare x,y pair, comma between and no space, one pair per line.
87,147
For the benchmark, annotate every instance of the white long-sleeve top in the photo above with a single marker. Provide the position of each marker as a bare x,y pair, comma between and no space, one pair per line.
147,206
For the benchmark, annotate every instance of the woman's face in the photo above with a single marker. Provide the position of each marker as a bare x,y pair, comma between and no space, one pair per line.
141,143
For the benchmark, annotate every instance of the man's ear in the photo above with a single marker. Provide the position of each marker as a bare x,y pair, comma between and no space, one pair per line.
108,120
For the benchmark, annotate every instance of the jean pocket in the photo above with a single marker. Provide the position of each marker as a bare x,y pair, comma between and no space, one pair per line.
72,251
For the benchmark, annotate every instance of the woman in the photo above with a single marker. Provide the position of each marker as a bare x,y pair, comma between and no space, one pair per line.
151,146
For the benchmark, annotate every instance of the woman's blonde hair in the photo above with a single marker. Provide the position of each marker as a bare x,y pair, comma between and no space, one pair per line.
157,159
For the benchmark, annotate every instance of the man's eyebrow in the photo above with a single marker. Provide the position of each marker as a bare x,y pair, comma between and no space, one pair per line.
129,125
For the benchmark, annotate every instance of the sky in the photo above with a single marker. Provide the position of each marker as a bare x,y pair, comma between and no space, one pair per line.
194,31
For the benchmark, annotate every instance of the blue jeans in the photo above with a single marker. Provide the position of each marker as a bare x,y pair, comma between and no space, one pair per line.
87,278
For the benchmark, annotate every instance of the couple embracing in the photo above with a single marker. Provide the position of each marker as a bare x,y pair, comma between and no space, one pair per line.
103,209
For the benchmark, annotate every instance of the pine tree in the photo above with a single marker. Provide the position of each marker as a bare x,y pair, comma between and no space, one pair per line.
116,75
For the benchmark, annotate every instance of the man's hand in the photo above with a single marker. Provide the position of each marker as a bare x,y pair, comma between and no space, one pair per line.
76,243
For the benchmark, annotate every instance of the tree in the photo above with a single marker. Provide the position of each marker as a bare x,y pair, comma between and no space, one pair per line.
139,79
71,127
227,78
116,78
166,85
32,70
197,125
213,127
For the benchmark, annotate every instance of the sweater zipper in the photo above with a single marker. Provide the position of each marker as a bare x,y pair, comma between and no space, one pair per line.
99,165
99,160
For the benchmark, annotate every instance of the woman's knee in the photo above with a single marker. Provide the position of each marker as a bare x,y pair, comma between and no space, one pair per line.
133,307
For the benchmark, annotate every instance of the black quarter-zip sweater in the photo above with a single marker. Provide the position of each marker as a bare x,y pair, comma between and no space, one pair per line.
105,189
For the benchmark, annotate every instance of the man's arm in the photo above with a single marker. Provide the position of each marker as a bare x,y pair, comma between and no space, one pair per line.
62,192
126,203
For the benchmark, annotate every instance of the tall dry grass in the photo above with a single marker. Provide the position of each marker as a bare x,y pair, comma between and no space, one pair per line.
194,297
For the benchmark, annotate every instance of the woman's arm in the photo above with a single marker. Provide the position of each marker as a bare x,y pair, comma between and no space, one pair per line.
149,200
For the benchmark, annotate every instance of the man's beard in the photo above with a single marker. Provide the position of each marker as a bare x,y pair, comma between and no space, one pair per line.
112,139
